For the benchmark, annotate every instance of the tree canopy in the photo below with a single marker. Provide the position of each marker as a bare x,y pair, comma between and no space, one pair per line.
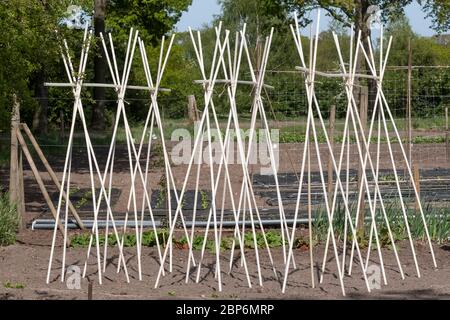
153,18
29,49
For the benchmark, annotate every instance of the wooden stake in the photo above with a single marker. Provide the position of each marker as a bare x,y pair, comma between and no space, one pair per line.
50,171
310,216
21,191
192,109
90,289
20,186
330,159
39,181
364,101
15,195
409,105
258,65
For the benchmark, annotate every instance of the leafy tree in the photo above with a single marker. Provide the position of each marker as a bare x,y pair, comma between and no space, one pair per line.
430,85
439,12
178,76
260,16
358,12
29,52
153,19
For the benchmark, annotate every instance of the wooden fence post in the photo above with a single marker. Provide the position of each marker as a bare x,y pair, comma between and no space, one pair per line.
16,172
332,122
363,106
192,109
409,106
21,203
90,289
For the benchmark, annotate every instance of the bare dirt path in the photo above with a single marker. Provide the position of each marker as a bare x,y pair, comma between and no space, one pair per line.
26,264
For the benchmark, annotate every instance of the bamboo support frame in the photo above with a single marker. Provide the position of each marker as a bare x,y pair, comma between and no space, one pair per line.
226,63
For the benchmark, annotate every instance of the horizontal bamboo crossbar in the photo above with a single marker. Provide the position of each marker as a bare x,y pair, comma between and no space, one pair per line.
104,85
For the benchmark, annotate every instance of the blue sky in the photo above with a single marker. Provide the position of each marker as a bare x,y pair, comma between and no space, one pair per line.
202,11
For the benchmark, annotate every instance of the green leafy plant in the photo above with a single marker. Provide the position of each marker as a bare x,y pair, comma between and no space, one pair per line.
9,221
149,238
129,240
204,200
162,196
197,243
303,243
273,238
10,285
157,155
360,238
161,199
80,241
437,220
84,199
73,190
227,243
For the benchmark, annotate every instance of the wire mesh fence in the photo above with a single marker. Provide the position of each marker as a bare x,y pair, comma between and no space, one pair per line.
430,93
286,107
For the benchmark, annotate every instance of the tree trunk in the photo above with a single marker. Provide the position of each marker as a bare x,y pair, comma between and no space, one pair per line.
16,194
40,119
98,110
362,24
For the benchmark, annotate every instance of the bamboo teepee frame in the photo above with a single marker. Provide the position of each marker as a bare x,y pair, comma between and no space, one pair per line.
226,63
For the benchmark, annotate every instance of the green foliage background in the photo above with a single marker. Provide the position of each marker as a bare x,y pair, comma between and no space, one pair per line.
29,47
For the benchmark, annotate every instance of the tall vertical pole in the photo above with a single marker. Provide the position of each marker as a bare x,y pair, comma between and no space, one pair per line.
21,190
364,101
15,184
259,56
409,105
447,142
192,109
330,158
311,244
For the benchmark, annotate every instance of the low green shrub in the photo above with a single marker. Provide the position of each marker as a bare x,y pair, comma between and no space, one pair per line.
9,221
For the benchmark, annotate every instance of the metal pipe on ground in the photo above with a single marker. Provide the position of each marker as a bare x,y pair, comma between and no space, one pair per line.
46,224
